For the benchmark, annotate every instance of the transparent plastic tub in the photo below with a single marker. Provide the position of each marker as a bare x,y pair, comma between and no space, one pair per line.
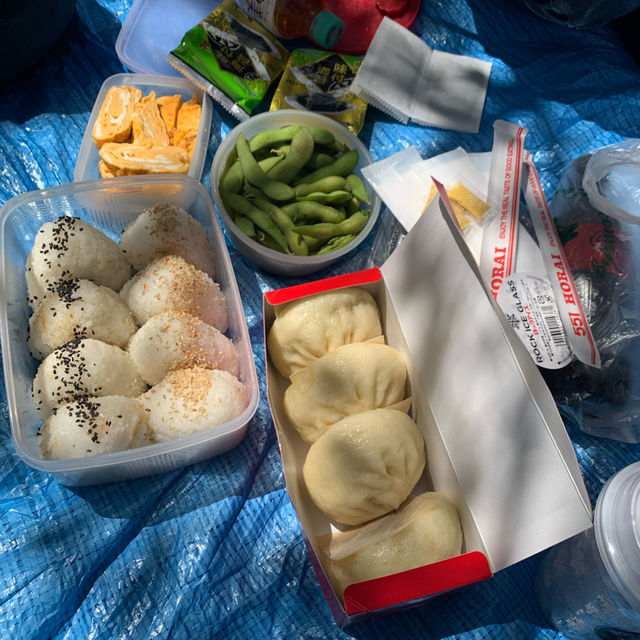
109,205
153,27
589,586
87,163
269,259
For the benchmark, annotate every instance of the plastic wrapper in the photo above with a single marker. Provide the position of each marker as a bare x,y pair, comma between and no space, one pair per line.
320,81
602,251
232,57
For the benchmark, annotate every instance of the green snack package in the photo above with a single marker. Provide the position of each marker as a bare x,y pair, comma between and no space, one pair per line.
231,57
320,81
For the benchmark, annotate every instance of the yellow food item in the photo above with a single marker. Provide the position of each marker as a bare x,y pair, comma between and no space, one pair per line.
147,125
187,122
113,123
168,107
157,134
464,203
468,201
134,159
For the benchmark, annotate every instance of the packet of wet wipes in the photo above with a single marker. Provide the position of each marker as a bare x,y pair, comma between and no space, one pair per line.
231,57
320,81
404,77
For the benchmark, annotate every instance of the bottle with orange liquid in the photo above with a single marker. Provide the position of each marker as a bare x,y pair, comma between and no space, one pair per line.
295,19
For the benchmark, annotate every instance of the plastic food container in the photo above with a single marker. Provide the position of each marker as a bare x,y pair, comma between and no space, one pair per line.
589,586
152,28
88,158
109,205
269,259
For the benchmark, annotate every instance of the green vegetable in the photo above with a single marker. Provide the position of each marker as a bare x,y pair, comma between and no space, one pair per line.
257,177
299,152
326,185
342,166
311,211
326,230
258,217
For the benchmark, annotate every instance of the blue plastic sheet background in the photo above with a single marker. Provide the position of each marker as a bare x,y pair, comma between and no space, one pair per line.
215,550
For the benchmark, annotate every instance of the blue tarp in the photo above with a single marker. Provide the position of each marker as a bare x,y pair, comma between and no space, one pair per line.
214,550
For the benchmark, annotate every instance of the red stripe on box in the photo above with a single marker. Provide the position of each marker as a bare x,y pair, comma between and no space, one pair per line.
278,296
416,583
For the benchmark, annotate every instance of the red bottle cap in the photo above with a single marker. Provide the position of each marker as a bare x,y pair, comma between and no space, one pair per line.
362,18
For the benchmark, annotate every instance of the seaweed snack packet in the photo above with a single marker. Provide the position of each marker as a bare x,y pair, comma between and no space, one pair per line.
231,57
320,81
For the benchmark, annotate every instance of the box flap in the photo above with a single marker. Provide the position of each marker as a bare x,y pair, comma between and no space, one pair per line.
505,438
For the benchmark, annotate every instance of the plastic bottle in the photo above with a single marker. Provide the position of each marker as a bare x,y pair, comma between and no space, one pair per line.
589,586
296,19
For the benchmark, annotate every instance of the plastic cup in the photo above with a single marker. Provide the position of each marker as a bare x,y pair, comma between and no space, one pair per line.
589,586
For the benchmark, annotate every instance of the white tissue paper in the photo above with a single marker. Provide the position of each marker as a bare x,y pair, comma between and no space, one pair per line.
450,89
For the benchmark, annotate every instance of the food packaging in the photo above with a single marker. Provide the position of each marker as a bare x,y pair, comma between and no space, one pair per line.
108,204
496,445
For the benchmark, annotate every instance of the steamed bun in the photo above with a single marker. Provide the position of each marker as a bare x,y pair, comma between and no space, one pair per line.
424,530
178,340
172,284
352,378
190,400
79,309
72,248
91,426
165,229
364,465
84,367
307,328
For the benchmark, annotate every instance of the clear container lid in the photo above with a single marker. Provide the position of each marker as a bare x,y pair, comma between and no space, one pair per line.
153,28
617,529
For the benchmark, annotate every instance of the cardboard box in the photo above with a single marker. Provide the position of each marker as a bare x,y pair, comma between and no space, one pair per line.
496,444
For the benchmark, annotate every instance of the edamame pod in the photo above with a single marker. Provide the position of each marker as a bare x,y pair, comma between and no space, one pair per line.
257,177
342,166
286,225
284,134
336,243
233,179
357,188
258,217
311,211
299,152
245,225
318,160
326,230
326,185
335,197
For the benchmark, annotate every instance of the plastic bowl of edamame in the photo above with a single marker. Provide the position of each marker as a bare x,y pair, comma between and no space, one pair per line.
289,190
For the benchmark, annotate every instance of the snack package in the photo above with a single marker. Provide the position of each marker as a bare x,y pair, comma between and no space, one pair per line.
320,81
231,57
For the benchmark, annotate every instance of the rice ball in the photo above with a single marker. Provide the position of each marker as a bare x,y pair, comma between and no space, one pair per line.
79,309
178,340
92,426
172,284
72,248
84,367
165,229
190,400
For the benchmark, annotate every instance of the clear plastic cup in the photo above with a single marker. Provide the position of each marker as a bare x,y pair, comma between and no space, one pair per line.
589,586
